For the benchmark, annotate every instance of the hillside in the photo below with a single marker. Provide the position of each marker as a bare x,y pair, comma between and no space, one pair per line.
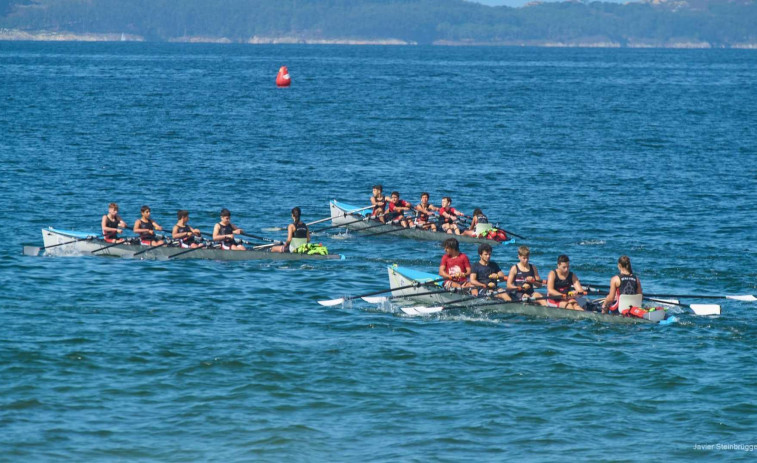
676,23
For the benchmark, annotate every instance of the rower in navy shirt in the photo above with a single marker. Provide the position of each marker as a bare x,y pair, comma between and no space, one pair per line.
485,274
145,227
297,234
224,232
523,278
112,224
186,235
625,282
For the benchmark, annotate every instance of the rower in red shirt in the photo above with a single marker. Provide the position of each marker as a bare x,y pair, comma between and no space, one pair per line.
423,211
397,208
455,267
449,216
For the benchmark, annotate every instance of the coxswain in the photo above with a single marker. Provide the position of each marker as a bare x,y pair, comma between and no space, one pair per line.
112,224
455,267
479,224
485,274
396,210
449,216
523,278
563,286
224,232
297,234
625,282
145,227
186,235
378,201
423,212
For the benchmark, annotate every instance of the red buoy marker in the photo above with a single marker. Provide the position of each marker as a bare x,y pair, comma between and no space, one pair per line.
282,78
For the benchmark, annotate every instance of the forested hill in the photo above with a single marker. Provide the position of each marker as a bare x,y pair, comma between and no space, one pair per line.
718,23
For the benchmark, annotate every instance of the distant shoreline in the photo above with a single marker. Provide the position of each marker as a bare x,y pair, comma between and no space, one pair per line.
48,36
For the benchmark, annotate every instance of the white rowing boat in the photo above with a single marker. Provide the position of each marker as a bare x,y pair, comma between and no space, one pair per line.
355,218
416,286
64,242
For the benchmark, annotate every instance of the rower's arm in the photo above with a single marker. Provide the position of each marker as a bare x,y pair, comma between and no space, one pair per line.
537,279
443,272
551,291
614,283
157,227
106,228
474,281
138,230
216,233
290,234
511,279
577,284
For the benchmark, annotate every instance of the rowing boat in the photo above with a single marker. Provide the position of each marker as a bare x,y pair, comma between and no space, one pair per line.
344,214
416,282
80,243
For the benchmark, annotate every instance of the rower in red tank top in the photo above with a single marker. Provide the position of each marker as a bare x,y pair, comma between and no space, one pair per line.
397,209
449,216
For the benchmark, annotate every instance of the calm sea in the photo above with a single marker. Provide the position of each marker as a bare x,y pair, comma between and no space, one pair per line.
591,153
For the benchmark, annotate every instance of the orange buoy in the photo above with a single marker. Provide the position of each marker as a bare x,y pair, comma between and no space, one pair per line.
282,78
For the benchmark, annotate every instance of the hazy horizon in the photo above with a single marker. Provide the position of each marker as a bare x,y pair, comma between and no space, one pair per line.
516,3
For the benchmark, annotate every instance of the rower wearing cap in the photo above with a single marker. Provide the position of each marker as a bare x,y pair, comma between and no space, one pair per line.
423,212
378,200
485,274
224,232
145,227
186,235
563,286
297,234
112,225
449,216
625,282
455,266
523,278
397,209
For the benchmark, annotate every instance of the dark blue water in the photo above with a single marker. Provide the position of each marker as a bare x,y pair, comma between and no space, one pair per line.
592,153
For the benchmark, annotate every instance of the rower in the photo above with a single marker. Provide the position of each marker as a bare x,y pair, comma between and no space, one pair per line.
145,227
625,282
449,216
397,208
112,224
423,211
378,200
455,266
563,286
479,225
224,232
297,234
523,278
485,273
186,235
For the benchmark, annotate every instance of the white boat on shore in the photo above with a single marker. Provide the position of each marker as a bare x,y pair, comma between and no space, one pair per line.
68,243
359,219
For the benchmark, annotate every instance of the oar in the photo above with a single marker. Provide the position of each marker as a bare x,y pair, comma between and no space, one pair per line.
108,246
34,250
511,233
454,305
342,224
699,309
744,298
250,235
399,228
186,251
344,214
341,300
382,299
165,242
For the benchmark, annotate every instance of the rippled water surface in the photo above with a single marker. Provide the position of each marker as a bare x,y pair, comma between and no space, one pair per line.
592,153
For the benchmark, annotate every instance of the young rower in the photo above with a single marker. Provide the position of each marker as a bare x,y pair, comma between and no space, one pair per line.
625,282
485,273
145,227
378,200
224,232
423,211
112,224
397,209
297,234
455,266
523,278
563,286
479,224
449,216
186,235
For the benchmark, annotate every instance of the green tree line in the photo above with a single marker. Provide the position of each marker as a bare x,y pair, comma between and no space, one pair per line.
718,22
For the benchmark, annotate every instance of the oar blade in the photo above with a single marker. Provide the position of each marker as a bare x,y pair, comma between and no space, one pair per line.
375,300
745,298
31,251
421,310
332,302
705,309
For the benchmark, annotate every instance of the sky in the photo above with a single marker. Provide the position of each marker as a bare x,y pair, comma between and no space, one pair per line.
522,2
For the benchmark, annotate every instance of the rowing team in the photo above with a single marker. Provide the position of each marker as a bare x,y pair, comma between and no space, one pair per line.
564,289
392,209
224,232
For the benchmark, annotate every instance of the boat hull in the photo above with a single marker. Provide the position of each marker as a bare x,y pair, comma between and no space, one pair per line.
358,221
402,277
90,242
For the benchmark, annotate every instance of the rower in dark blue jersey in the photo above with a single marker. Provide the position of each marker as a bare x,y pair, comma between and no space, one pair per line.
297,234
145,227
625,282
186,235
523,278
224,232
485,274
